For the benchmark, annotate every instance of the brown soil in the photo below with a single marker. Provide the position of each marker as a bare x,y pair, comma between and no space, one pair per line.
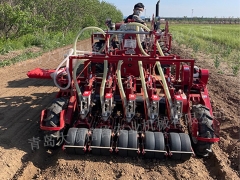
13,54
22,99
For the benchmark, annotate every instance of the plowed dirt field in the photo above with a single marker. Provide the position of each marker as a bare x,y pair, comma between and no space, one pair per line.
22,99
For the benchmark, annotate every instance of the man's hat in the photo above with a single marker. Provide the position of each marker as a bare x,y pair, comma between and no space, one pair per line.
139,5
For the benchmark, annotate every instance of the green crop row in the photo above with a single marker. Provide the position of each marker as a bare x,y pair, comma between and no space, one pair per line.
222,42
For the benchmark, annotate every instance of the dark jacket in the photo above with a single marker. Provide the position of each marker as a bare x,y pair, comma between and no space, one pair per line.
134,18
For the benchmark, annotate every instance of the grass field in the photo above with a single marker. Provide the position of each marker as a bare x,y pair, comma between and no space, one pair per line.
221,41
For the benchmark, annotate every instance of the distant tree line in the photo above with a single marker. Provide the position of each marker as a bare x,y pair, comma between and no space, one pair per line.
20,17
202,20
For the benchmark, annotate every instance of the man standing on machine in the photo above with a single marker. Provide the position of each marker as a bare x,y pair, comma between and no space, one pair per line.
138,9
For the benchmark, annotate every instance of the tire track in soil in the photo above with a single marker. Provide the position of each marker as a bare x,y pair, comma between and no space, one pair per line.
22,84
25,124
35,162
31,121
106,167
13,100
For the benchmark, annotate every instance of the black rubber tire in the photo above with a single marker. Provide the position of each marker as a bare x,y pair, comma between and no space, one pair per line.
54,110
185,146
149,143
175,145
132,143
106,141
71,136
96,141
159,145
123,142
80,140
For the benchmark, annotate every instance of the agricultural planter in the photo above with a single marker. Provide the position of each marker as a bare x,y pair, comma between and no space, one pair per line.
129,95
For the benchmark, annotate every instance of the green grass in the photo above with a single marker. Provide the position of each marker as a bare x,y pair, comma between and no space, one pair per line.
222,41
20,58
46,41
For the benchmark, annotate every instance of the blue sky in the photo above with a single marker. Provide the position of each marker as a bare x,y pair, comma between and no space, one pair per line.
180,8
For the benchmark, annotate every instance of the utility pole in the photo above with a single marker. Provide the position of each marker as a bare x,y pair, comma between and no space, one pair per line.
192,14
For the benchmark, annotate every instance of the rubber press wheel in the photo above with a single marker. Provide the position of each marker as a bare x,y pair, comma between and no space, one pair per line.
71,136
185,146
149,142
106,141
96,141
159,145
132,143
123,142
175,145
80,140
